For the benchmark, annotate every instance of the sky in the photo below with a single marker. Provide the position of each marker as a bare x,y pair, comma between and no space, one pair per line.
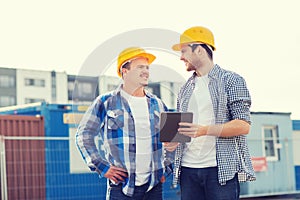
258,39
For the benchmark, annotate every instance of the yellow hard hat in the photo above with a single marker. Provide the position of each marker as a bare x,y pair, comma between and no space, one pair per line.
197,34
131,53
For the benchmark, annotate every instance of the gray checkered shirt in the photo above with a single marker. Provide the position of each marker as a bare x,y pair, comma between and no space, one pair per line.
231,100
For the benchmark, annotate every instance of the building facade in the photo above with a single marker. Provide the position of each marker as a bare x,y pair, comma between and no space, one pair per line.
36,86
8,88
22,86
271,146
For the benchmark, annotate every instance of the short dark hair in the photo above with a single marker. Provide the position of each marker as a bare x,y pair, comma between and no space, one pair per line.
126,65
207,49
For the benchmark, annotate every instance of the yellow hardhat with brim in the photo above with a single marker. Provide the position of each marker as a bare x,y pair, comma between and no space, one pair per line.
132,53
197,34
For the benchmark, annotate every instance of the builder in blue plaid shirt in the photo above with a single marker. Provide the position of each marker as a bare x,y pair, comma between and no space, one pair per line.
127,123
217,158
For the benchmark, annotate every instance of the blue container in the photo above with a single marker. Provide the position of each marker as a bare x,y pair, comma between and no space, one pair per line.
60,183
170,193
297,174
296,127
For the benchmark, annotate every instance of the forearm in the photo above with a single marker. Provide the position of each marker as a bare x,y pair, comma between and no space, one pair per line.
88,149
232,128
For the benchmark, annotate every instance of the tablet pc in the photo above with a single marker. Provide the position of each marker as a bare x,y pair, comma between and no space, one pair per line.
169,126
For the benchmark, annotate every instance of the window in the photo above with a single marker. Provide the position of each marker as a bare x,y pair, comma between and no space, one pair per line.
71,86
7,101
82,88
53,86
82,91
85,88
154,88
7,81
35,82
32,100
271,143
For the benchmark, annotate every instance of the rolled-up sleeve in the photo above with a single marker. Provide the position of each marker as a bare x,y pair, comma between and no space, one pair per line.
239,99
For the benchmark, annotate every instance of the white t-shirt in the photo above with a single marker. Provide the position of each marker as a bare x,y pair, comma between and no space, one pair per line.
201,151
140,113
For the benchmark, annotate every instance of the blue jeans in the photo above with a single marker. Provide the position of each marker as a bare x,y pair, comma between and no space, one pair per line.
140,193
202,183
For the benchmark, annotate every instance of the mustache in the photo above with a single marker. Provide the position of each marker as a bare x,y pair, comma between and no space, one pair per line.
145,74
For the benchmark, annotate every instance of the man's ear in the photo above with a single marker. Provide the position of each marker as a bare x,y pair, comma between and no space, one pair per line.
199,49
123,71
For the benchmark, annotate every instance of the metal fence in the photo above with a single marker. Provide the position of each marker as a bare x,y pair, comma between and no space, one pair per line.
51,168
36,168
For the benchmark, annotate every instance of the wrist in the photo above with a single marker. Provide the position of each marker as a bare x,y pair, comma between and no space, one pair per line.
214,130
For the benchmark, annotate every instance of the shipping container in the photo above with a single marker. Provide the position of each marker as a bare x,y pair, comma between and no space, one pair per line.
22,157
62,178
66,176
296,145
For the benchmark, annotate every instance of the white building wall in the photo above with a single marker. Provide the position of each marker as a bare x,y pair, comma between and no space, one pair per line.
32,92
168,90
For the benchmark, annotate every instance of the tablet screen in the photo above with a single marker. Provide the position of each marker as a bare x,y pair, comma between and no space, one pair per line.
169,126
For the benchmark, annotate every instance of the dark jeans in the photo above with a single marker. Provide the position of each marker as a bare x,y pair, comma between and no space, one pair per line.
115,193
202,183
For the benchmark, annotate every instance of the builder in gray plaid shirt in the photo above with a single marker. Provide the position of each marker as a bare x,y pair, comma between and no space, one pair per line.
217,158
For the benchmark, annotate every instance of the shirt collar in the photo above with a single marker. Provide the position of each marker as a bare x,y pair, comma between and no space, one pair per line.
119,88
213,73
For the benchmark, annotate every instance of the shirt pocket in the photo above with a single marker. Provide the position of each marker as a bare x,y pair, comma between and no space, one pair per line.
115,119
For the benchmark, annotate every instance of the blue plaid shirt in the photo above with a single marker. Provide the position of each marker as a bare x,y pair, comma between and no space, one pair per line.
110,118
231,100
